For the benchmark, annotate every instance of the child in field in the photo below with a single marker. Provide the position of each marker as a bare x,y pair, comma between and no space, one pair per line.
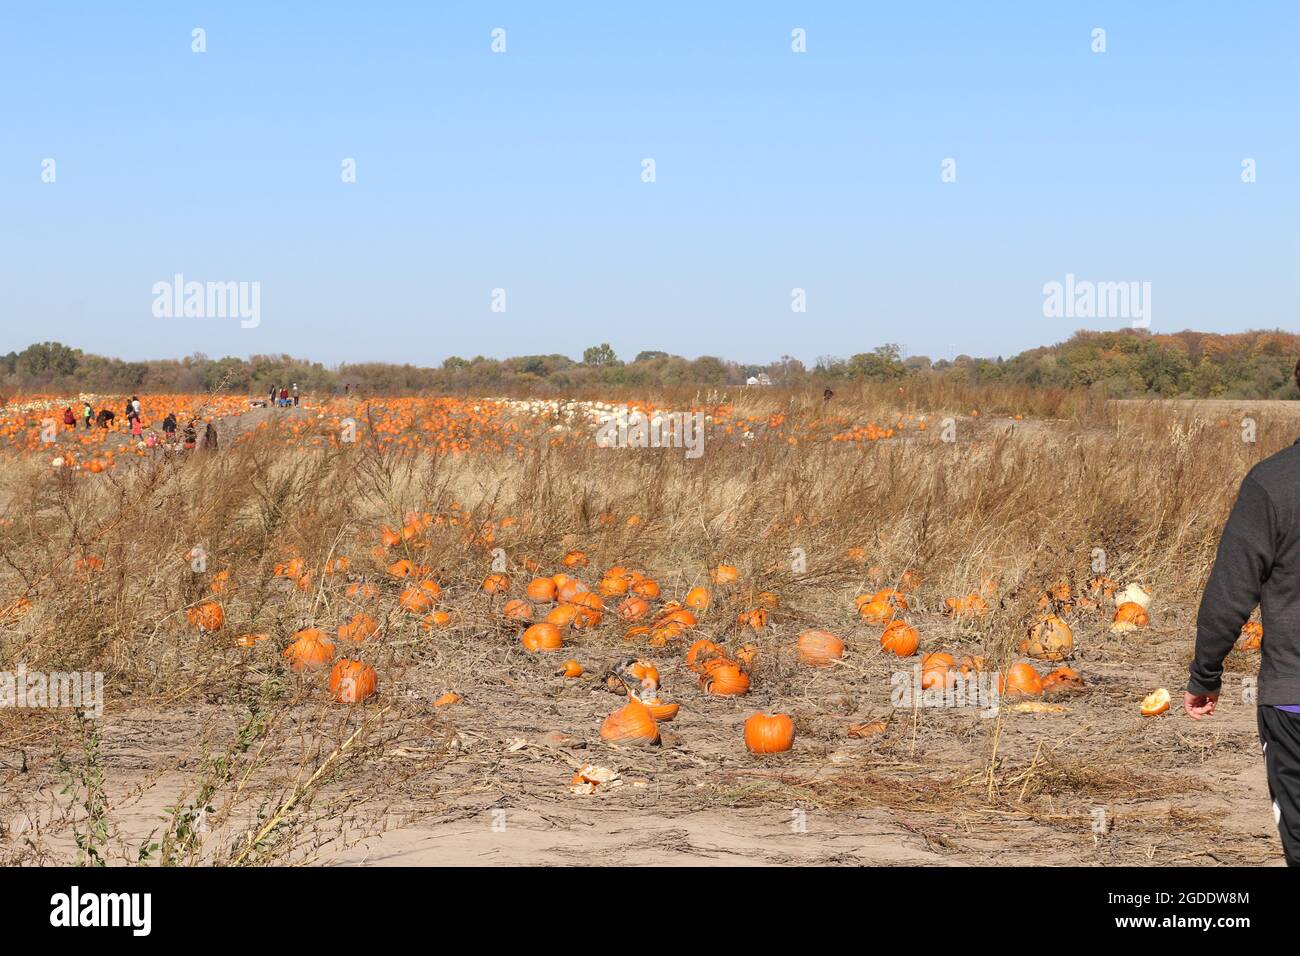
136,430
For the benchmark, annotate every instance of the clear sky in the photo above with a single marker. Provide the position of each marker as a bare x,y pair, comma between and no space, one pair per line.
523,170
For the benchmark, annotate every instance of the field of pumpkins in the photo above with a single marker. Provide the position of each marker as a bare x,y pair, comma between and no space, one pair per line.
362,625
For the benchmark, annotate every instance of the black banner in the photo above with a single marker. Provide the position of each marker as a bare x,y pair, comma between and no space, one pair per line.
150,905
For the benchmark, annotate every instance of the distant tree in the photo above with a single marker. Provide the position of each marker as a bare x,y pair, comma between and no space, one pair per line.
787,371
47,360
649,356
882,364
599,355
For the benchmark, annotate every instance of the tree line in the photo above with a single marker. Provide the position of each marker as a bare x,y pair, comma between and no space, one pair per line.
1130,363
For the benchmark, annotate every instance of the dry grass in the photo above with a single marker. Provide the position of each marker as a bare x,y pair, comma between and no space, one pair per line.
274,772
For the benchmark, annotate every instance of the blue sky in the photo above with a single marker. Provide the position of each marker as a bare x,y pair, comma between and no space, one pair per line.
522,171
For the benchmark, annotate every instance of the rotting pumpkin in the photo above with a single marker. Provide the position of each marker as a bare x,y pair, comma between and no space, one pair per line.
632,725
818,648
352,681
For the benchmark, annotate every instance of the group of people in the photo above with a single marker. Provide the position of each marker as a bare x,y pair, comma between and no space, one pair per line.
106,417
283,396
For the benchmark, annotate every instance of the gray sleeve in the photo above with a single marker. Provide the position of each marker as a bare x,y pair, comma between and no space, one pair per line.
1244,561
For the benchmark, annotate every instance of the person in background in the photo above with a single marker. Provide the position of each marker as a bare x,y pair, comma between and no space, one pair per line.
135,403
169,428
270,400
210,437
1258,563
284,397
136,428
87,413
69,419
129,411
191,434
347,389
295,394
105,418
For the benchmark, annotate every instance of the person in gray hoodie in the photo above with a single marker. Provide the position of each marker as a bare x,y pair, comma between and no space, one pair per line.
1258,563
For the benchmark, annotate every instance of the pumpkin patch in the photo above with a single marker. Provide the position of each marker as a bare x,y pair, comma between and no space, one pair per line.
591,606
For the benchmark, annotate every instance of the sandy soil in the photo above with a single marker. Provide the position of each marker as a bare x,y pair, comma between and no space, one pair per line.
486,782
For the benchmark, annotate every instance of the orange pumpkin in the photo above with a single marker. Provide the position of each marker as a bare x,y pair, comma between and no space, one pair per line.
352,681
415,600
293,568
819,648
362,591
311,649
632,725
646,673
361,627
647,588
612,587
876,611
769,734
1063,678
570,589
937,670
1129,616
207,616
900,638
574,559
541,590
1022,681
700,653
698,598
542,637
517,610
562,615
972,667
724,574
679,616
724,678
755,619
401,569
572,669
1050,639
1252,636
662,712
966,606
439,619
589,610
1102,586
633,609
1156,702
496,584
868,729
